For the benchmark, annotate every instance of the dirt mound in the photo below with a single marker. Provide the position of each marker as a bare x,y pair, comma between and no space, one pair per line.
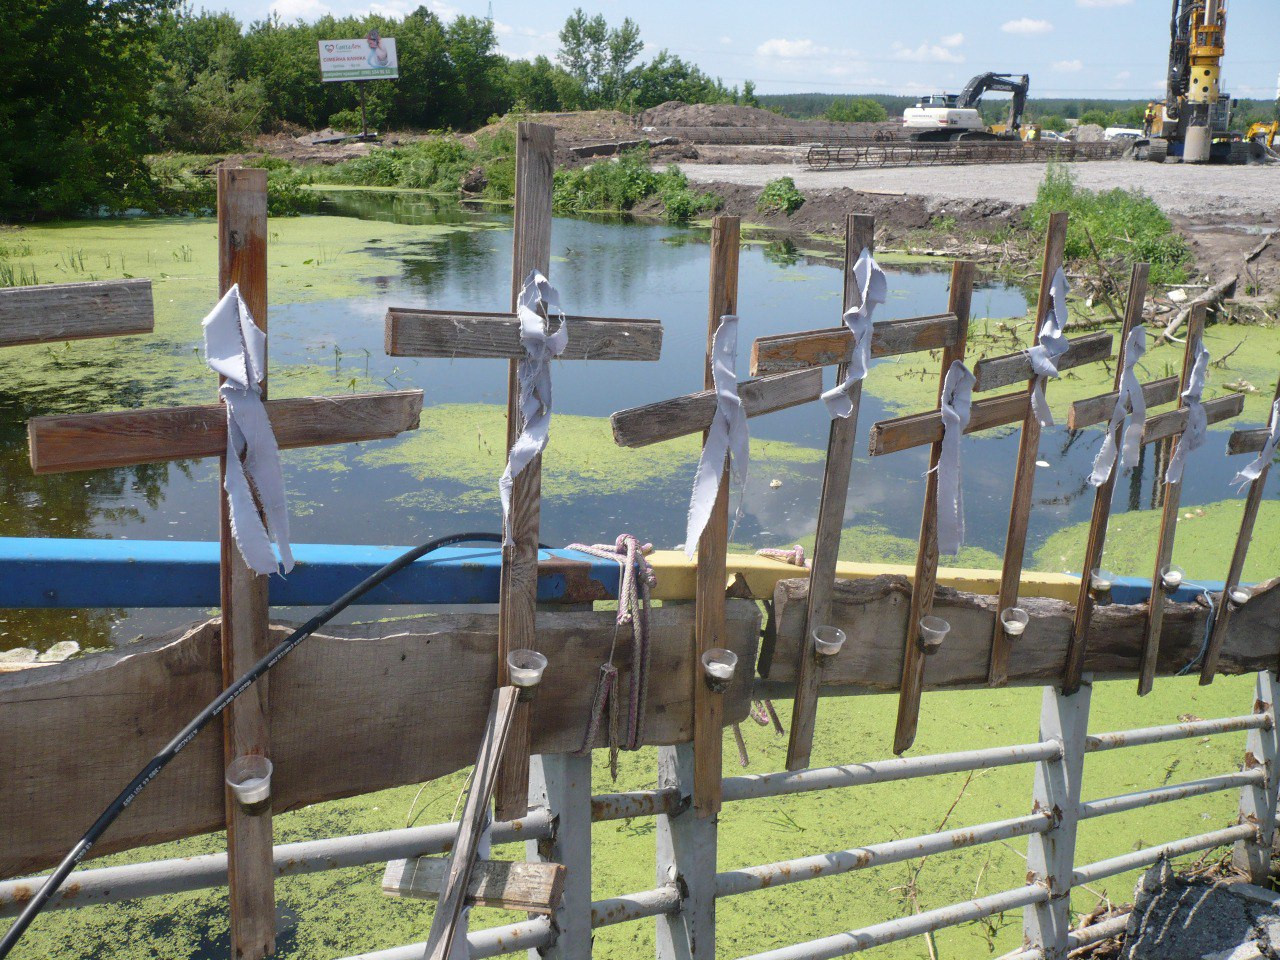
673,113
1088,133
583,126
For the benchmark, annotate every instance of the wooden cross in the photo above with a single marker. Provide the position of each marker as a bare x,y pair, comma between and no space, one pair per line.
810,351
1241,441
454,334
668,419
94,441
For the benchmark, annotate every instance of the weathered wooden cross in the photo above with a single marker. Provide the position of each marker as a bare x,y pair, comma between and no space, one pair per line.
812,350
918,429
454,334
130,437
668,419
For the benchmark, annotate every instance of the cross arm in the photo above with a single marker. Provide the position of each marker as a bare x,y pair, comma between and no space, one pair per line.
693,413
1172,423
461,334
821,348
92,441
919,429
51,313
1087,412
1247,441
995,372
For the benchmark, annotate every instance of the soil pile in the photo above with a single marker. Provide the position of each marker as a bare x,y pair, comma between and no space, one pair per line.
1088,133
673,113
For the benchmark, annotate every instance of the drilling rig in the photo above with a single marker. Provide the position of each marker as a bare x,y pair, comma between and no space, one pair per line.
1192,121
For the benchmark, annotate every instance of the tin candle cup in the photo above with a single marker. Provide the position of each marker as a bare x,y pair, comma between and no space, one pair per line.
1171,578
1014,620
1239,596
249,778
827,642
1100,582
718,666
525,668
933,630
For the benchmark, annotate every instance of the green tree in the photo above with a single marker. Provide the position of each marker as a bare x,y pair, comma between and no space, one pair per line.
599,57
214,111
667,77
749,98
856,110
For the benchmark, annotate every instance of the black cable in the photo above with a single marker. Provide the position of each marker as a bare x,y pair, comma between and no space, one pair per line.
201,720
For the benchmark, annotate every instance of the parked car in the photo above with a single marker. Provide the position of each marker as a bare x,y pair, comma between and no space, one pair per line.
1122,133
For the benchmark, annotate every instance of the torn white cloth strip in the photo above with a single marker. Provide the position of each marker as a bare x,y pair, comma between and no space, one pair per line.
874,290
235,348
957,397
1197,420
1259,463
460,949
727,436
537,302
1130,402
1051,344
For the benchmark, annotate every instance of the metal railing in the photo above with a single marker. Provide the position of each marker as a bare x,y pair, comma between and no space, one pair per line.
904,153
560,828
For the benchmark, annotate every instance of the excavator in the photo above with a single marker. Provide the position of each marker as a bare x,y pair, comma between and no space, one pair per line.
945,117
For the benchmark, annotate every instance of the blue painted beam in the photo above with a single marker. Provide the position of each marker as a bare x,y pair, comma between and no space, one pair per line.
56,573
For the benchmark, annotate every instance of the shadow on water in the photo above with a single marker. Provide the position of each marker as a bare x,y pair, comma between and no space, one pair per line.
603,267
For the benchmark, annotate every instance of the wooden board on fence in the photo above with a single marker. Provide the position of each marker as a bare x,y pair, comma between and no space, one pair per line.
52,313
529,887
346,716
873,614
456,334
815,348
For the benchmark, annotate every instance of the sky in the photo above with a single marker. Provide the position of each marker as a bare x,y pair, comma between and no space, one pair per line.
1071,48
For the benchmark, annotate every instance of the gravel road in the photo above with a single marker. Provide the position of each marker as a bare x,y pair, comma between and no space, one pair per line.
1185,190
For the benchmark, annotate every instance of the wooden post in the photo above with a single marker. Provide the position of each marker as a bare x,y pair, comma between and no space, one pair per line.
1253,500
1025,475
927,553
1102,498
686,858
518,597
713,545
242,259
561,784
1051,855
1168,523
860,234
1258,803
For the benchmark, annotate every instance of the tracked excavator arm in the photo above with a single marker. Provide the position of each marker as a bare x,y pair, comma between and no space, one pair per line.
1014,83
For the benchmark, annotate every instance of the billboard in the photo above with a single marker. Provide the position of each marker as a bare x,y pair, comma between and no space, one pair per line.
372,57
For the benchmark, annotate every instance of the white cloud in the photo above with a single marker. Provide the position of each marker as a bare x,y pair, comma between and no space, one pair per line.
926,53
306,9
1103,3
726,40
952,40
1123,75
1027,26
784,49
1068,66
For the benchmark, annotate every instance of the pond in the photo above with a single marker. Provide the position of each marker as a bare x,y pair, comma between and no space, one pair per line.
371,250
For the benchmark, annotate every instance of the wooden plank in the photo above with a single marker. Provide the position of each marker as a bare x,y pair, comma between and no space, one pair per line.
1226,609
530,887
1168,521
456,334
346,717
1073,671
860,234
924,583
1024,477
1247,441
242,259
457,878
823,348
518,596
1171,423
873,614
52,313
93,441
680,416
918,429
713,545
996,372
1085,413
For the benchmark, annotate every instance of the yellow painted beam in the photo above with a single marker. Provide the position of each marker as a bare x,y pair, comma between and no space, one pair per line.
676,576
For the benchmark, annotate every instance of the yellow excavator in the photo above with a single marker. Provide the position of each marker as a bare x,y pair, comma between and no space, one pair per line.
1264,133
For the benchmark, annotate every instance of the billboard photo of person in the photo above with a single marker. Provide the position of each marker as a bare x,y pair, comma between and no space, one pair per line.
377,52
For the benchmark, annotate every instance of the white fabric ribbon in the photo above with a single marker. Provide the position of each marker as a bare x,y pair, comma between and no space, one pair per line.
236,348
1197,420
727,436
874,289
1259,463
957,397
1051,344
1131,402
538,300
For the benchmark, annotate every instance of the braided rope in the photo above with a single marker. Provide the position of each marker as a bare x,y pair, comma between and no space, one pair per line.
794,556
